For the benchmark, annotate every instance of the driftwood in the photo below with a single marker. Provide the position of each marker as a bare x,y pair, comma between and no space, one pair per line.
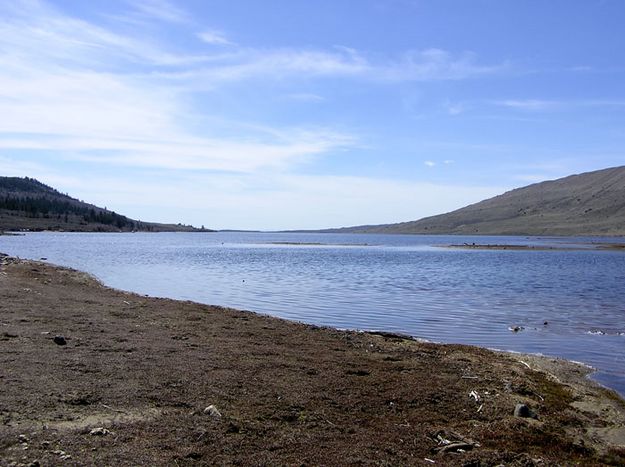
450,441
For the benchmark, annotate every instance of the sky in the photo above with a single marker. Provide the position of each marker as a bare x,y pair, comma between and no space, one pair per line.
285,114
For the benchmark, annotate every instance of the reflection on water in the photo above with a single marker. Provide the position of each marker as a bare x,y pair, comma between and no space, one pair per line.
393,283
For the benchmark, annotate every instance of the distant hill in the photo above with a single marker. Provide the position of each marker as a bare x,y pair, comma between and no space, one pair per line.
27,204
591,203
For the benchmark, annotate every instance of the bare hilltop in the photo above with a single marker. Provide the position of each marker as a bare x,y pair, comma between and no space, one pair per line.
591,203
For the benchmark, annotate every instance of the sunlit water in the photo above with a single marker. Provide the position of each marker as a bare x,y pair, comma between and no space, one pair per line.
396,283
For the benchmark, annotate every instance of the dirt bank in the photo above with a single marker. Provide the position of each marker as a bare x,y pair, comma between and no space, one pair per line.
143,370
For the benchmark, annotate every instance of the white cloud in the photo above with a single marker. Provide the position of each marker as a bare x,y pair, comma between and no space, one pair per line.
245,64
58,102
72,91
454,109
550,105
161,10
213,154
305,97
288,62
437,64
214,38
529,104
31,30
430,163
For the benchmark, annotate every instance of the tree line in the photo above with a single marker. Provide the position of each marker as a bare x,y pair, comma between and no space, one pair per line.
44,207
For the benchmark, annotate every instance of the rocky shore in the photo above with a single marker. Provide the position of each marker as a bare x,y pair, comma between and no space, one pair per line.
96,376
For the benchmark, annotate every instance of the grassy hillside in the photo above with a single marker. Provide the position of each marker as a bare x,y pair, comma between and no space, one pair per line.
591,203
27,204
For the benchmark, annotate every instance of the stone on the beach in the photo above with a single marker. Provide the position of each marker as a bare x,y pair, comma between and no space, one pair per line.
523,411
60,340
22,439
100,431
212,411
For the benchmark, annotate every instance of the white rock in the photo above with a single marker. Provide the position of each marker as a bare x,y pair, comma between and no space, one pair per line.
212,411
100,431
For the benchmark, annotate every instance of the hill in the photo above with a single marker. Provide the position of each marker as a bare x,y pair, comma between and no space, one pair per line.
27,204
591,203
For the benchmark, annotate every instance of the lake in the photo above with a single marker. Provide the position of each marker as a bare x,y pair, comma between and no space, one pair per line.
399,283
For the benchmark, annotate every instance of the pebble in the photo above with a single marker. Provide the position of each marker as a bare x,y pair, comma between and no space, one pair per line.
60,340
212,411
22,439
523,411
100,431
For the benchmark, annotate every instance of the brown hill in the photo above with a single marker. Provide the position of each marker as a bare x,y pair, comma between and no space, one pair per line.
591,203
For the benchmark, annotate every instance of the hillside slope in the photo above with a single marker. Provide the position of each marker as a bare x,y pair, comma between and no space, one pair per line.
27,204
591,203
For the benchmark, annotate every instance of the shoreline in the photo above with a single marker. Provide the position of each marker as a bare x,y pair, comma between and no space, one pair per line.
144,369
590,246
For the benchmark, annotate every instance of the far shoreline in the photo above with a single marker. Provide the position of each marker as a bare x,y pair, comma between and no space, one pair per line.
583,246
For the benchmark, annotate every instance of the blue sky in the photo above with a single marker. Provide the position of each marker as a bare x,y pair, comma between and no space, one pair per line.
282,114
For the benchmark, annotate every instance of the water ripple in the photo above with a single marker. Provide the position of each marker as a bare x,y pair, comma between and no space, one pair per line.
392,283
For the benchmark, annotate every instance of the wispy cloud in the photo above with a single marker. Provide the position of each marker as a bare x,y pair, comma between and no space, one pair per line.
115,97
61,82
434,163
214,38
538,105
305,97
341,62
454,109
37,31
161,10
528,104
437,64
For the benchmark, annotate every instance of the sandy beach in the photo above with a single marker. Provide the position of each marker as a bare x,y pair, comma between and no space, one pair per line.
95,376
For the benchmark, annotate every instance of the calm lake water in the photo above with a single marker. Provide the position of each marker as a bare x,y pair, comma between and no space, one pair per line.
400,283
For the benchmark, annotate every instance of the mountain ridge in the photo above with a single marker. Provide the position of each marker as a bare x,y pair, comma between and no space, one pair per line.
590,203
28,204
